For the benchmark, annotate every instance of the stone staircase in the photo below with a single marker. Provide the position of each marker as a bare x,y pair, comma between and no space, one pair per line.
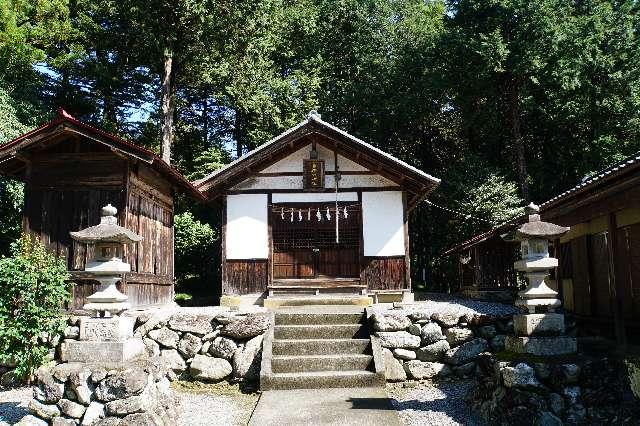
319,348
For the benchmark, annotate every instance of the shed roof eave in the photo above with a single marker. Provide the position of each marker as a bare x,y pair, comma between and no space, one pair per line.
72,124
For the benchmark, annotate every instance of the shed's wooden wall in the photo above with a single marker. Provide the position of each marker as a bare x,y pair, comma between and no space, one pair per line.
490,266
67,185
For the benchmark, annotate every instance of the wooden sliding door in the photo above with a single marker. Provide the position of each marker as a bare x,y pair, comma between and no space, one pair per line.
304,240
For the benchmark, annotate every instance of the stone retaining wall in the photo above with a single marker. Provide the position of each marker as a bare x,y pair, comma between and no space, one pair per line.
576,390
133,393
418,344
210,344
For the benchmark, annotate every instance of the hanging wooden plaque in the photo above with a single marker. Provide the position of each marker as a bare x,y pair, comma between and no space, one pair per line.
313,171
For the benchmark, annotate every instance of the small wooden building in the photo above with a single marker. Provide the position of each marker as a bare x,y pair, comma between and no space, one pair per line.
316,209
71,170
599,273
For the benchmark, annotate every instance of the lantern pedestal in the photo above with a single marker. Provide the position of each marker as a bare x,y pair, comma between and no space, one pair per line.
538,324
108,301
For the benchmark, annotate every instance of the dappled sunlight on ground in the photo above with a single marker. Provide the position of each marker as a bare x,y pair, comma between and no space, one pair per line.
429,403
13,404
214,404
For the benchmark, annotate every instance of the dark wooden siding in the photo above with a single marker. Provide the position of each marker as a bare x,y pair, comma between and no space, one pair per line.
581,279
245,276
383,273
68,185
628,269
54,213
154,222
599,275
495,264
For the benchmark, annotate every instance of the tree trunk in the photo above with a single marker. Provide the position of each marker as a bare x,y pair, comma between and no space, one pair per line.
516,136
104,83
205,117
240,132
167,105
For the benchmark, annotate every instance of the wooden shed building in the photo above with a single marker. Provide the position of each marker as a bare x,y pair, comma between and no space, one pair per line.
71,170
598,276
316,209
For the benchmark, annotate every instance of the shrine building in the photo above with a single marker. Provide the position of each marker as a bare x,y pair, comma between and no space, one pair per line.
315,210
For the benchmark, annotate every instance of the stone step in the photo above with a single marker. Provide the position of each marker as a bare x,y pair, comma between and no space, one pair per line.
320,346
322,379
274,302
307,363
318,318
331,331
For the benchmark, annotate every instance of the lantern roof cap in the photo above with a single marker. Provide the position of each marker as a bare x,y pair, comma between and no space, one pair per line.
536,228
108,231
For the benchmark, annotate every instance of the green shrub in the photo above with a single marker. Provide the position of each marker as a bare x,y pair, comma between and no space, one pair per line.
33,289
11,202
194,250
183,299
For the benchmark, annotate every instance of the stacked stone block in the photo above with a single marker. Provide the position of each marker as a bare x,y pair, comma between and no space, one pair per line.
208,345
554,392
105,395
419,345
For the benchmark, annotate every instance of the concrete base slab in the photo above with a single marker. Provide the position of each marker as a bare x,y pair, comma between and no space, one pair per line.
539,324
230,300
79,351
364,406
542,346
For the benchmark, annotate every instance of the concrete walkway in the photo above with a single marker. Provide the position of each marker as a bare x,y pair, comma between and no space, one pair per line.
352,406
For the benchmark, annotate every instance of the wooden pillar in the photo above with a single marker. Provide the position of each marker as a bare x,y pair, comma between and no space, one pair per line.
26,210
407,257
476,267
223,245
361,259
558,255
615,285
270,236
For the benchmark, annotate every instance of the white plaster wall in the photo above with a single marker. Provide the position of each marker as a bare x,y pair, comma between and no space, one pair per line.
293,163
358,181
313,197
247,231
383,223
296,182
271,182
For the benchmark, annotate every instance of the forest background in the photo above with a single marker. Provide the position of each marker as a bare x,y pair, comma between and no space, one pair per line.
507,101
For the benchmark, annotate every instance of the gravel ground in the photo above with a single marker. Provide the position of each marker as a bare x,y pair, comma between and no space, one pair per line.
13,405
447,304
219,404
440,404
203,405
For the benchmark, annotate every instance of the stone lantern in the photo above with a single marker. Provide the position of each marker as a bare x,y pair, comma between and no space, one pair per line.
538,333
108,240
534,239
107,336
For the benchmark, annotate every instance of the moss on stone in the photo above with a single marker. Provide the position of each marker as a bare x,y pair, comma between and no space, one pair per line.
633,369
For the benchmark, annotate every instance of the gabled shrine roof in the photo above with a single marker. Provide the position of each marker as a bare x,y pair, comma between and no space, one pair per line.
419,182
